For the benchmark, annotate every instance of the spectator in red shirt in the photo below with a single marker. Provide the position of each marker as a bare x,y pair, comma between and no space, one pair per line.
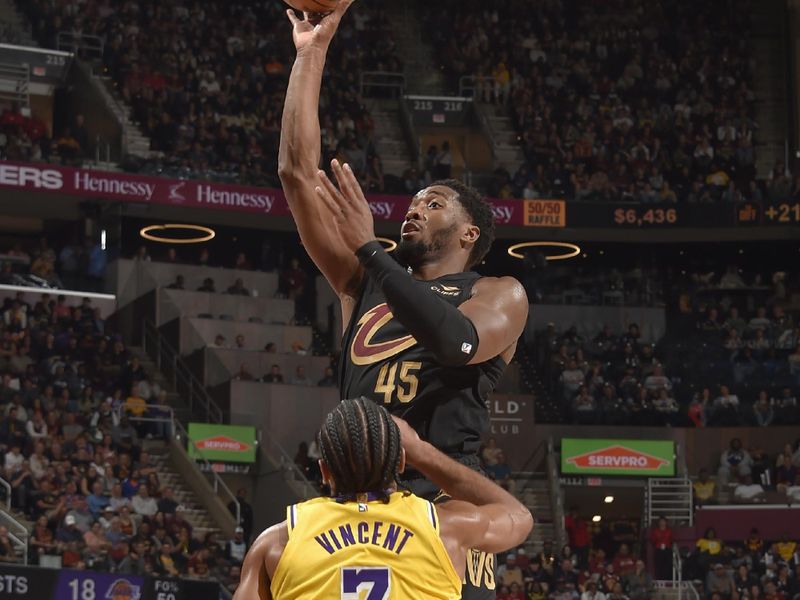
579,537
661,538
624,563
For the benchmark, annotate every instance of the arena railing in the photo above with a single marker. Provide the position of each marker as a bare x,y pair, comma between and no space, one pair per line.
17,532
382,80
83,45
470,86
178,432
171,364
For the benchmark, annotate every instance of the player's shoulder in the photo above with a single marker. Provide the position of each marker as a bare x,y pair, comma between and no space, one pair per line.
269,546
508,288
459,519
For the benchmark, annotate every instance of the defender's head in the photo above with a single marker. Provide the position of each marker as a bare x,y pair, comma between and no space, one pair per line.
360,447
445,218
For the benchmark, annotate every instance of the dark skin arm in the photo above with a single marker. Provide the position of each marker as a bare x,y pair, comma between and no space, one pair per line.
481,514
300,150
260,564
498,307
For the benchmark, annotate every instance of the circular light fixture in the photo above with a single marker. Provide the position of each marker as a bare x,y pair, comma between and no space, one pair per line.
608,499
573,249
388,245
208,234
597,519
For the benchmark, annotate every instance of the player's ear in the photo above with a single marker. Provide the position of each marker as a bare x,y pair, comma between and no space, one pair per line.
402,466
470,235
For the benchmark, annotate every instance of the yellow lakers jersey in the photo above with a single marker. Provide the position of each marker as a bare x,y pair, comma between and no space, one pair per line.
365,551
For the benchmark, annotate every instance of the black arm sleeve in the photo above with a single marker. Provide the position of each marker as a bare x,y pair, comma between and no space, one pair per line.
440,327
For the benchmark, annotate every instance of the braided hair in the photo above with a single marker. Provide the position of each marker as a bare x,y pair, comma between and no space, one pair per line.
360,443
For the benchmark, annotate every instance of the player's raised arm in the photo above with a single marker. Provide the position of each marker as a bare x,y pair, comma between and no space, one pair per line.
300,147
481,514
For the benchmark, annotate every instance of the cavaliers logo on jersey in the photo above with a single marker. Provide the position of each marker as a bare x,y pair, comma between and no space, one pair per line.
363,351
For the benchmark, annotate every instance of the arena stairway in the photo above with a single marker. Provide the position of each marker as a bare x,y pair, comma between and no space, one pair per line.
423,75
508,153
168,475
533,491
197,514
389,139
769,78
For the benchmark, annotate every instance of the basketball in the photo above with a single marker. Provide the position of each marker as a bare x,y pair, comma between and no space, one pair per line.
313,6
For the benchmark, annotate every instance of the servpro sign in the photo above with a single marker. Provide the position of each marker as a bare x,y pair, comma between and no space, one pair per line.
618,457
222,443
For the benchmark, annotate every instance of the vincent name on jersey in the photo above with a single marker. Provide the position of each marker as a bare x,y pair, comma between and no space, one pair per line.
388,536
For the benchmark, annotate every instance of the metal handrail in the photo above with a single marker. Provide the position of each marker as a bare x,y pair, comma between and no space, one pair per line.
119,412
468,84
382,79
677,569
180,430
7,487
18,533
75,42
289,467
165,354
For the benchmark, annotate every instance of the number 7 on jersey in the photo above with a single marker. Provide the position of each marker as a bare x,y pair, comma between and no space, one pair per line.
375,581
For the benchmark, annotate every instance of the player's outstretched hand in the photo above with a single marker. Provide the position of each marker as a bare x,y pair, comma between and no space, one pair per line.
410,440
315,30
347,205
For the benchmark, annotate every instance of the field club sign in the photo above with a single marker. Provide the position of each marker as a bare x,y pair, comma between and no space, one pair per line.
618,457
223,443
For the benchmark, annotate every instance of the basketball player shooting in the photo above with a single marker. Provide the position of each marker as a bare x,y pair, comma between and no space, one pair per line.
428,340
370,541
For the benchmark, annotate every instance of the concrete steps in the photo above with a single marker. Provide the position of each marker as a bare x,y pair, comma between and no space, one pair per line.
534,493
508,153
423,75
201,521
389,139
769,84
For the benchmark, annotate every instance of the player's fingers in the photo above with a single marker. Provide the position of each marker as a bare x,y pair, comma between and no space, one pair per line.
329,202
333,199
352,182
344,184
292,17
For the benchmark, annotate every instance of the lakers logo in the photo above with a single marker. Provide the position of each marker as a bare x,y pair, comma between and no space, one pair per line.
122,589
363,351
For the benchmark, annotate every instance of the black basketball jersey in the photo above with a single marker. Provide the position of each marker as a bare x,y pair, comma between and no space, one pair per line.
383,362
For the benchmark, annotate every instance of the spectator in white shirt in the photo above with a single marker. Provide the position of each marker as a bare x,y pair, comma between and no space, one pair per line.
658,381
13,459
748,492
793,491
591,592
760,321
36,427
143,504
571,380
